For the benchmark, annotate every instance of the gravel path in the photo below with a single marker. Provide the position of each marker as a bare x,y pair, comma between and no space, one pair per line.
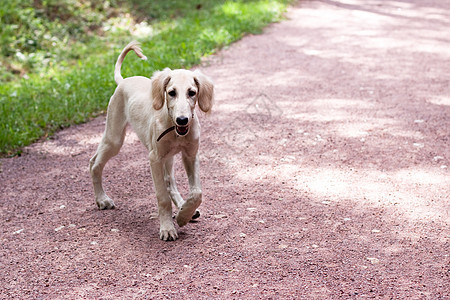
324,168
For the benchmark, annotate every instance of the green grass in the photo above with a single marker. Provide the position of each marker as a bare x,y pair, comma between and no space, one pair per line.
75,81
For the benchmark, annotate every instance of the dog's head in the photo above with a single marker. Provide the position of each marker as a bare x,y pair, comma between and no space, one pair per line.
180,91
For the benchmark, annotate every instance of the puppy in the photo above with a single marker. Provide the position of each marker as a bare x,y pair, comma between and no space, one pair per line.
161,111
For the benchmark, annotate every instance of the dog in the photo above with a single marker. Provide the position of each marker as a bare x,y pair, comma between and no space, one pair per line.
161,110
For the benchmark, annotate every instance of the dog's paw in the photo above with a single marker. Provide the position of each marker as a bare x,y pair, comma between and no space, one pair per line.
183,218
168,234
105,202
188,212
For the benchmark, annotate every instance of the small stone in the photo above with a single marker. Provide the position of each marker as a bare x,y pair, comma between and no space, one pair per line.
438,158
261,221
115,230
59,228
326,202
376,231
288,159
315,246
419,145
94,243
283,246
242,235
373,260
62,207
347,219
220,216
282,142
18,231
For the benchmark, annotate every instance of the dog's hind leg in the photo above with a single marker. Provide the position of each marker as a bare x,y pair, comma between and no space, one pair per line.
172,187
109,146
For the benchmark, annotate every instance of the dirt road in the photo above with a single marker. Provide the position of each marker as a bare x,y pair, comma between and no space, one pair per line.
324,168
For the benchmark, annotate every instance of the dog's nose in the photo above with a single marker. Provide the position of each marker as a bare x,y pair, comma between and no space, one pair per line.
182,121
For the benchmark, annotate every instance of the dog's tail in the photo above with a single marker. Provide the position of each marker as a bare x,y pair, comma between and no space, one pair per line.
134,45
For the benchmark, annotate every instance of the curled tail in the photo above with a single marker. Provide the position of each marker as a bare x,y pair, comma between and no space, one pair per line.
134,45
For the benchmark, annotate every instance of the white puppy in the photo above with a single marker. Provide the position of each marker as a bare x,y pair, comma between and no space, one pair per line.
161,111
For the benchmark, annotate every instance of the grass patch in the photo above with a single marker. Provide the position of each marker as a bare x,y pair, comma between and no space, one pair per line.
75,82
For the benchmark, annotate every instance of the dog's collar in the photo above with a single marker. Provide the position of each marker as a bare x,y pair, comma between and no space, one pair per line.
165,132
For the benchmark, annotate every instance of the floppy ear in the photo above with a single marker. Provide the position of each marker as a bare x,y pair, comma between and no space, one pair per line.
160,80
205,92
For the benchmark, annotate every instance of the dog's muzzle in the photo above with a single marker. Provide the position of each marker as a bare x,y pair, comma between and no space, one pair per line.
182,127
182,130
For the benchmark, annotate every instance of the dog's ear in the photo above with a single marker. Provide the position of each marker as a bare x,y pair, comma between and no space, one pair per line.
205,94
160,80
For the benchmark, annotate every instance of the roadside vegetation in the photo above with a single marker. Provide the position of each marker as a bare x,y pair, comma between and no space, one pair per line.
57,56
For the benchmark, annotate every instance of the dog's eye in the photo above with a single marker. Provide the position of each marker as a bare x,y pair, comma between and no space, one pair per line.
192,93
172,93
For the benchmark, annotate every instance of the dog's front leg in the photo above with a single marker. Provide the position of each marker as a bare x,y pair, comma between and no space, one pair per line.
187,210
167,231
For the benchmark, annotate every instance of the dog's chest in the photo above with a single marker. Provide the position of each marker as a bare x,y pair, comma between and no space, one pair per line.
175,145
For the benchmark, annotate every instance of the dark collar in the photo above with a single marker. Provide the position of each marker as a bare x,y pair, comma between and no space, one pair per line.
165,132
